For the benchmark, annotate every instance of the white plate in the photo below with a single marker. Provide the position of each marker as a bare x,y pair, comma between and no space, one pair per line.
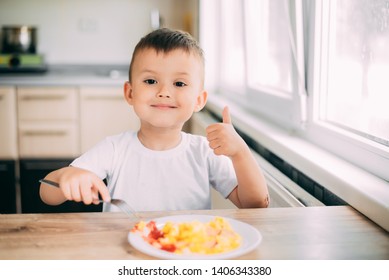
251,238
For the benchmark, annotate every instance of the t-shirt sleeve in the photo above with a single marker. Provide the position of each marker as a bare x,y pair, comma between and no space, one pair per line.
222,174
98,159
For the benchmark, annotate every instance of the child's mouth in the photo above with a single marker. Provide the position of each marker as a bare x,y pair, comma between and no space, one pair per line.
163,106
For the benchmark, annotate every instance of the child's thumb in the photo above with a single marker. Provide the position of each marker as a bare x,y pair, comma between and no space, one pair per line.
226,115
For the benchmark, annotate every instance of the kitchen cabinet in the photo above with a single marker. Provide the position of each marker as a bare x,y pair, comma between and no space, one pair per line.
48,133
48,122
8,150
31,170
104,112
7,187
8,122
47,126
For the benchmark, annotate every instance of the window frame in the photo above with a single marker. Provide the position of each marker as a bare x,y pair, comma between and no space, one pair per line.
287,110
298,116
361,151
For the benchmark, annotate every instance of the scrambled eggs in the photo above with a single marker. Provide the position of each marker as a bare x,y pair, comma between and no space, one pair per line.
213,237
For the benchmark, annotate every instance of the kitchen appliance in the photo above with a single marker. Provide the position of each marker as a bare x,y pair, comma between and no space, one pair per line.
8,186
19,39
31,171
18,54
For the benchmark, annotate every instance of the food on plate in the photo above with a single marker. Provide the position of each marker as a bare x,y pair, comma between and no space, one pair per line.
213,237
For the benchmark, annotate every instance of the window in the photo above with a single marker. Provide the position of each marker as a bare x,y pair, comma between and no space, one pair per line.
274,58
356,95
316,68
270,59
222,38
254,54
349,84
233,49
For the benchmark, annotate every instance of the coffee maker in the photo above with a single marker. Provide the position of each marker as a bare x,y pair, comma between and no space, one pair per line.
19,50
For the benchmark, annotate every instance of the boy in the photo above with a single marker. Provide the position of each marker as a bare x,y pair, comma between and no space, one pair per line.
160,167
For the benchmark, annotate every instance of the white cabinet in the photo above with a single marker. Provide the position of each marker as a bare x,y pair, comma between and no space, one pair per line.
60,121
48,139
47,104
104,112
8,131
48,122
46,127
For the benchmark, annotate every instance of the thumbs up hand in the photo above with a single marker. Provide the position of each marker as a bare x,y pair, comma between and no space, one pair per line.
226,115
223,138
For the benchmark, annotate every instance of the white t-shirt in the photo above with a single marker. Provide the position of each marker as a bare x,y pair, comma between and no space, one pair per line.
175,179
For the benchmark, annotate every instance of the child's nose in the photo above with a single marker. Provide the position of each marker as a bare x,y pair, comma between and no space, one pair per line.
163,92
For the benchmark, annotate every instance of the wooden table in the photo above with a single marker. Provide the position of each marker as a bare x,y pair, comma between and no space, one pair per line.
288,233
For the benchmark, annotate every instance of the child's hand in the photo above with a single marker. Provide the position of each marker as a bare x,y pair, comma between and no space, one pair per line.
223,138
81,185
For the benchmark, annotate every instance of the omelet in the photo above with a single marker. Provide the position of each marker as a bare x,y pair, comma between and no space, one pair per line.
213,237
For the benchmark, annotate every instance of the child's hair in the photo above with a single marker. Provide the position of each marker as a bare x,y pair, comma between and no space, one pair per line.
166,40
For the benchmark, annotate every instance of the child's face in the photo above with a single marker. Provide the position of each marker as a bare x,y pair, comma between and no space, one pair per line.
166,88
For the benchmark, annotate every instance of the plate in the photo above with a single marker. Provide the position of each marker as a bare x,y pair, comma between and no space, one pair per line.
251,238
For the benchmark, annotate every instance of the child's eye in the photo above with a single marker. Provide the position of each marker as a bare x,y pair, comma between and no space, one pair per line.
179,84
150,81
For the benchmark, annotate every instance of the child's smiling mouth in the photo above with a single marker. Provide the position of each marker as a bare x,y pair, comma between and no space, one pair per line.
163,106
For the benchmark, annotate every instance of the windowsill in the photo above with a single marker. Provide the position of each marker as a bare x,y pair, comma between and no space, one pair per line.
362,190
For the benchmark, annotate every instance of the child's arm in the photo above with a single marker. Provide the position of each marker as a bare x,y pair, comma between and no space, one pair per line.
224,140
75,184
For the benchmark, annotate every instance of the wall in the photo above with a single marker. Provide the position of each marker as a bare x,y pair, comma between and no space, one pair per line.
94,31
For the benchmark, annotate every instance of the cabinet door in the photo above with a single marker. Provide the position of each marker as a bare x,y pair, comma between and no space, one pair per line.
7,187
48,122
104,112
8,131
30,173
48,139
47,103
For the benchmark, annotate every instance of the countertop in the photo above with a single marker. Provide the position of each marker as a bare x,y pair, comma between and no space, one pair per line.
325,233
70,75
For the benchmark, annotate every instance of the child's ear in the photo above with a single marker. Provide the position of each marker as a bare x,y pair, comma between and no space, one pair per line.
128,92
201,101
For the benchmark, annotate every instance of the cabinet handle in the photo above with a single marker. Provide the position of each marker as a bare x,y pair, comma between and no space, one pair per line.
44,133
42,97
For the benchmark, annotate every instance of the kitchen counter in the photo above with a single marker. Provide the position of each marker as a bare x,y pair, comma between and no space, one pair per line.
70,75
334,232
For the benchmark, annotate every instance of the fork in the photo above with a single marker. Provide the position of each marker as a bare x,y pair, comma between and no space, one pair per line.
121,204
